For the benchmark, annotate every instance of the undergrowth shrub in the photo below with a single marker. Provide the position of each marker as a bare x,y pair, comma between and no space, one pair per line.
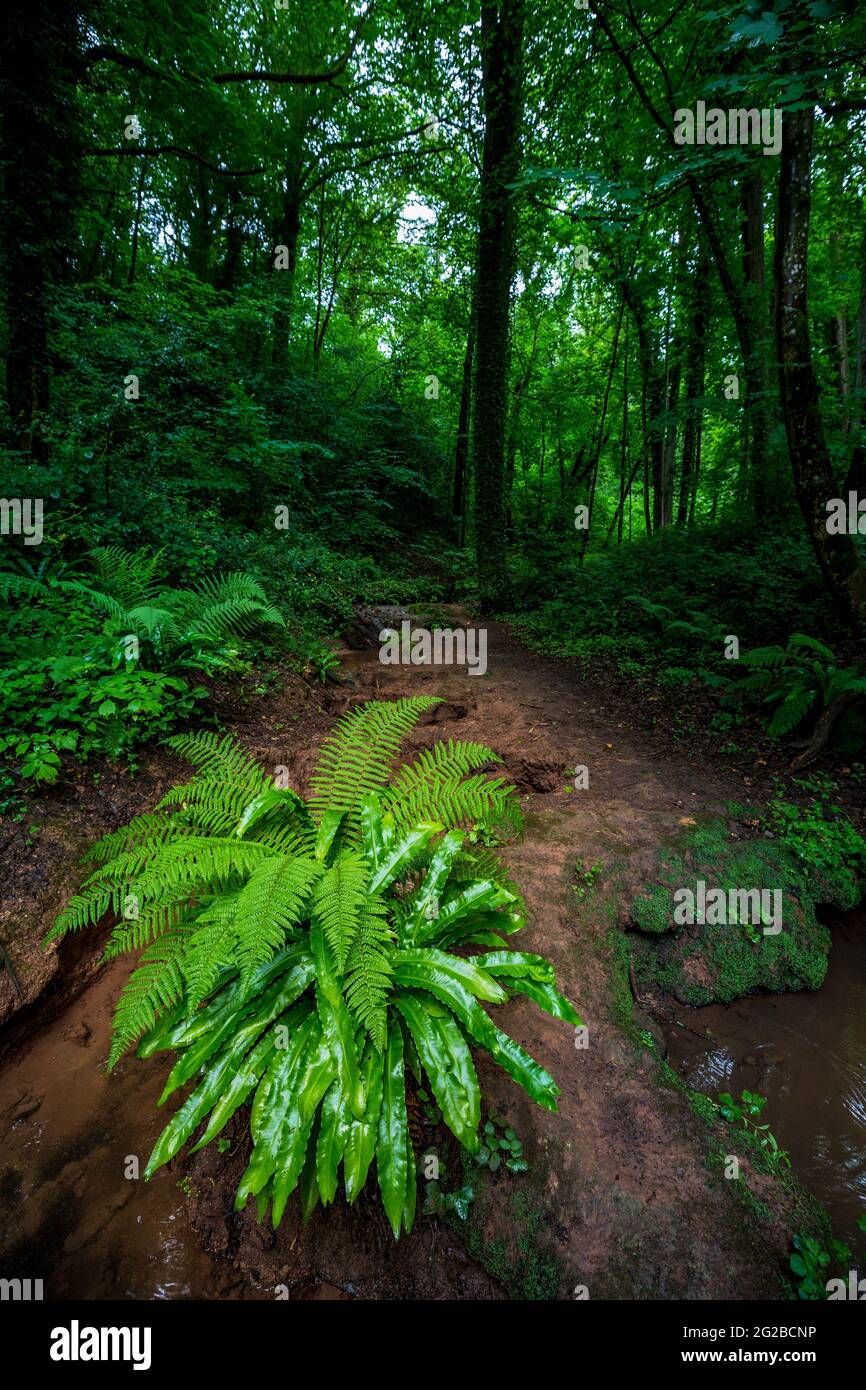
95,659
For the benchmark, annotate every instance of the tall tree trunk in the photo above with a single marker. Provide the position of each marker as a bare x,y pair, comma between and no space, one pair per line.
695,366
288,228
461,446
623,441
837,555
136,221
856,480
708,215
757,363
39,153
501,62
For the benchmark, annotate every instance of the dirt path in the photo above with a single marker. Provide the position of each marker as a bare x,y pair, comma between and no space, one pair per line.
619,1200
622,1198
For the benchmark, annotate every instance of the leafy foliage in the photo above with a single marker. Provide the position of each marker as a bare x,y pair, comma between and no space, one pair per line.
108,653
311,954
800,679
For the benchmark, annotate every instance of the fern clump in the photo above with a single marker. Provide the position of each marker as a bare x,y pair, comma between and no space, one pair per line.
800,679
304,955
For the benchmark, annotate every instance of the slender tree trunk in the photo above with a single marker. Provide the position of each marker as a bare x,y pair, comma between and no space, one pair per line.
39,155
136,222
461,448
856,480
288,230
695,366
843,570
623,442
540,501
647,507
501,61
757,363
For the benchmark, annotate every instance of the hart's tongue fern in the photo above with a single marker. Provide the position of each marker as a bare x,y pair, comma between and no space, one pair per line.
301,956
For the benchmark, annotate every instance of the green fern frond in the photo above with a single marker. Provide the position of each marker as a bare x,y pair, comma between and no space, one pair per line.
792,712
222,588
210,948
140,931
155,986
113,609
147,828
85,909
233,618
802,642
369,971
337,904
196,864
127,575
20,586
764,656
213,753
213,805
478,800
357,757
150,621
274,900
451,759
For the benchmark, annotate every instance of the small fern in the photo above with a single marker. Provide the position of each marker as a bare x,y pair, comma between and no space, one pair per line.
304,955
799,680
175,628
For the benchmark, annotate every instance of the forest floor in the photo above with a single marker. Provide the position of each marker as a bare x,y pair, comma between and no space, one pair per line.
625,1196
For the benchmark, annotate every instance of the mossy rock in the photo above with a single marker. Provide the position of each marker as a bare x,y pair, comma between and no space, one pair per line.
707,963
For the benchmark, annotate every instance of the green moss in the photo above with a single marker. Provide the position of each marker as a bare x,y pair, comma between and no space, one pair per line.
653,913
706,963
520,1262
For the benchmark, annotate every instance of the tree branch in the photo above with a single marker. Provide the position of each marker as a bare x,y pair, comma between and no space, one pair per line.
151,151
303,79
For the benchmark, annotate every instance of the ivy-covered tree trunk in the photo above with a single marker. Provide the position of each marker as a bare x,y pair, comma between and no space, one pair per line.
501,59
843,570
38,150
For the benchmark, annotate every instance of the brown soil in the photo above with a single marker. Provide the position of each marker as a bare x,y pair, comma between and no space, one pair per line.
618,1199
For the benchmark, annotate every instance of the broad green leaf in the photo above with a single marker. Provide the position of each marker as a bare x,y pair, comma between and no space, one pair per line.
448,1063
428,959
400,857
328,827
516,963
336,1020
363,1134
333,1132
244,1025
393,1145
426,898
548,998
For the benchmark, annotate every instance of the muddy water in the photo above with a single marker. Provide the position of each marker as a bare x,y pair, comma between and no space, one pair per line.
807,1054
69,1214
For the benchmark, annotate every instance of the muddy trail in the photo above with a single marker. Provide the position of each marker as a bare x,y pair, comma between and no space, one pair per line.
622,1199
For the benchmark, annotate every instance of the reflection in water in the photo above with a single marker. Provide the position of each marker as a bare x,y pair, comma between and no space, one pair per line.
807,1054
